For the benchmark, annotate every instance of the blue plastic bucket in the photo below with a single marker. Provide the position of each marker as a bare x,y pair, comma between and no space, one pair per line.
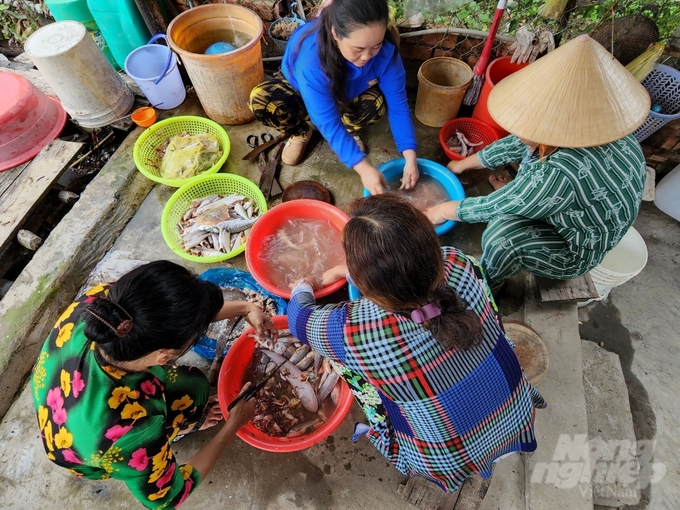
154,69
393,170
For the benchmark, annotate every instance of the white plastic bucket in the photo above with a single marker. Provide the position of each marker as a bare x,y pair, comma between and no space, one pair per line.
89,88
667,196
154,69
622,263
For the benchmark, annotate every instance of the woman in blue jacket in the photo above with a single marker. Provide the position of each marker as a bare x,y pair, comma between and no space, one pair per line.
342,72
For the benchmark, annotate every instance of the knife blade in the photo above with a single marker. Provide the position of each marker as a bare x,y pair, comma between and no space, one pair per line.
269,172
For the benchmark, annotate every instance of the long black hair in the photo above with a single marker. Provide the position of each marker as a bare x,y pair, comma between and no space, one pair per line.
345,16
168,306
393,256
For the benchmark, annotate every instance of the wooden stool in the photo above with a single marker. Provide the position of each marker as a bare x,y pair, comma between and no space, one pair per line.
578,289
428,496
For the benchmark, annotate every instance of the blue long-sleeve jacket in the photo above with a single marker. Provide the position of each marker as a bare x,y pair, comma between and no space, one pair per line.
301,66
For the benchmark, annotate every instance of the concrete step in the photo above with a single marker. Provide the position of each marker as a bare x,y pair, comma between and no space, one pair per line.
614,467
557,475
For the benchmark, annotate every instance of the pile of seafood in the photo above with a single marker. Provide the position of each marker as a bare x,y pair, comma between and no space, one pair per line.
462,145
236,326
217,224
302,394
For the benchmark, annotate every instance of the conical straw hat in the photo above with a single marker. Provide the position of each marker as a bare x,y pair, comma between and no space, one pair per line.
576,96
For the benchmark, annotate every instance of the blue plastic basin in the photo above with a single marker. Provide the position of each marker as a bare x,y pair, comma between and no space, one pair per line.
394,169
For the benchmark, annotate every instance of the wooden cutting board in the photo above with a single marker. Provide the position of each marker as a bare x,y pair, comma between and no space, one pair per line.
530,350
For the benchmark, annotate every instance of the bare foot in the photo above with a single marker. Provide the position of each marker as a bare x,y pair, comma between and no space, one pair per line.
498,181
213,418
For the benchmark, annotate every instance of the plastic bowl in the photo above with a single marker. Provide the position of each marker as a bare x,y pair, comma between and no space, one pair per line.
29,120
147,159
273,220
199,187
231,380
474,130
394,169
144,116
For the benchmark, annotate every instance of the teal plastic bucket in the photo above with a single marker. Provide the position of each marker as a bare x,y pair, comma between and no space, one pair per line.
154,69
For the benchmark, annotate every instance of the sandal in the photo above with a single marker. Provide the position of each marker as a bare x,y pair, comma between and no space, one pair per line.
294,148
357,139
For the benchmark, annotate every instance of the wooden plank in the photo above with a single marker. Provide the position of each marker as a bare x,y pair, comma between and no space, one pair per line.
29,187
472,493
9,177
578,289
152,16
662,154
32,75
428,496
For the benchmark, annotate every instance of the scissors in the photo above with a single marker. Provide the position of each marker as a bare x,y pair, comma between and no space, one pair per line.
254,140
252,391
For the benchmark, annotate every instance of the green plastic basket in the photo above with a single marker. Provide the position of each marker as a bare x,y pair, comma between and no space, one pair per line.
199,187
149,163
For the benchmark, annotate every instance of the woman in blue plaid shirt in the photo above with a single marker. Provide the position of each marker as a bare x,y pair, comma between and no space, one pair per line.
423,351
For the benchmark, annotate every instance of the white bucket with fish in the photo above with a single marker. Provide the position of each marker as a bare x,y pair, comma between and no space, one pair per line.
622,263
89,88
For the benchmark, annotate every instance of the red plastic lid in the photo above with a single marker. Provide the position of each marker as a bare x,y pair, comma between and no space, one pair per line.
29,120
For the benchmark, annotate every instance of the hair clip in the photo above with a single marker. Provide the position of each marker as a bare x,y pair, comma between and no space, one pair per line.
424,313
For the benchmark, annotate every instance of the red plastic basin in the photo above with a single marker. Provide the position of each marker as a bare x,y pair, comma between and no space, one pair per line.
231,380
274,219
29,120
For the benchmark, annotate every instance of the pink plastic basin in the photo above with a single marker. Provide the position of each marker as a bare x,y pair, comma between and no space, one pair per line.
29,120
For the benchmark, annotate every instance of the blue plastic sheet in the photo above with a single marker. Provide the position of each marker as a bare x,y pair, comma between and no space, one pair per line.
234,278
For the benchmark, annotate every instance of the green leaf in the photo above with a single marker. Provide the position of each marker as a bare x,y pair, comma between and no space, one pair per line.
17,15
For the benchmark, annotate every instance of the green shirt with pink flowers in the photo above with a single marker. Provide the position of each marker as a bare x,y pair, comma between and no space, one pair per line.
101,422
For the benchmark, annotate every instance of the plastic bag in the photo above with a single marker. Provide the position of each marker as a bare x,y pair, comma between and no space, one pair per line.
189,155
227,277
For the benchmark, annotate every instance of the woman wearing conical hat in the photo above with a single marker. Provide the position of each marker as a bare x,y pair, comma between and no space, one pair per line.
581,172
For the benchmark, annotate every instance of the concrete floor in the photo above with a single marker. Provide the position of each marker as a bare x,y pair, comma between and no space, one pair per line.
637,322
333,474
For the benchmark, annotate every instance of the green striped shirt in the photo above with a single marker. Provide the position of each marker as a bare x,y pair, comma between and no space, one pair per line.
591,196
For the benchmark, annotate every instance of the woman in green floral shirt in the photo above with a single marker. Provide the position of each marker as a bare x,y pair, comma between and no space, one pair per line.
109,404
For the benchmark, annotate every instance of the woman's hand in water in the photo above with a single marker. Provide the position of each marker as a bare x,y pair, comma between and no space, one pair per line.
372,178
334,274
261,322
308,280
243,411
442,212
411,174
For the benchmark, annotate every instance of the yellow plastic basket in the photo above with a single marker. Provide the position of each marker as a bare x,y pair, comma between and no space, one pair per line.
147,159
199,187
